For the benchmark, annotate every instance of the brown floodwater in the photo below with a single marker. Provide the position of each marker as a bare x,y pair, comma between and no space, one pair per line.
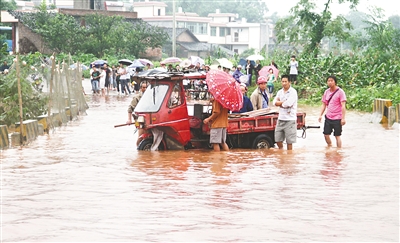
86,181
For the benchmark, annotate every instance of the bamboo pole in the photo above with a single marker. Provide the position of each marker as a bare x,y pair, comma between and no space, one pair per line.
68,82
19,99
53,65
60,85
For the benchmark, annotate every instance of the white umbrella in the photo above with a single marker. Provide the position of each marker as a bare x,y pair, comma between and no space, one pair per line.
214,67
185,63
244,79
224,63
195,60
255,57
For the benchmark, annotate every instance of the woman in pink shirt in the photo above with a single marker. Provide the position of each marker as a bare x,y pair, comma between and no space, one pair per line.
334,102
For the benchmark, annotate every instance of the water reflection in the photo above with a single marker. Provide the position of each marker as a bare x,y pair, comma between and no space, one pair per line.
226,170
169,165
286,161
87,182
332,165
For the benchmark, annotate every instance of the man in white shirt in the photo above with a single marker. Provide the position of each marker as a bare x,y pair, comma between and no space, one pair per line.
102,80
286,127
124,77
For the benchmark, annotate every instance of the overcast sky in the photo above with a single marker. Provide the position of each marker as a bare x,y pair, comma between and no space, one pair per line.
282,7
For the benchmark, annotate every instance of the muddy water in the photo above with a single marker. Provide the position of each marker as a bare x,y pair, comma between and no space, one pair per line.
86,182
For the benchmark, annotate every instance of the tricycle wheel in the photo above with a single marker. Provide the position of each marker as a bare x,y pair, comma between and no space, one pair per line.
262,141
146,145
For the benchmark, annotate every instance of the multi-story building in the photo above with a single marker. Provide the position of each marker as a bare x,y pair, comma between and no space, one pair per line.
217,28
224,29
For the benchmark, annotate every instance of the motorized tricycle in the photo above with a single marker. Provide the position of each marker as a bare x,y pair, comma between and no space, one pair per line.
170,122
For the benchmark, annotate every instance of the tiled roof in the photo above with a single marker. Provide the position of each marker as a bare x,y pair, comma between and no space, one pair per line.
179,31
197,46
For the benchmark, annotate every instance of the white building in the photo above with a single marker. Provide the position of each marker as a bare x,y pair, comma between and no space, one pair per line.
218,28
57,3
24,5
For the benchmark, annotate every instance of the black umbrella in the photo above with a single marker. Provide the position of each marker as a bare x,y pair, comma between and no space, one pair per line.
126,62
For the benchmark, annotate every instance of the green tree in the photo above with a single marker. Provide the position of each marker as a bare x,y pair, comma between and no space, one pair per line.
8,5
101,34
395,20
382,35
3,49
34,103
357,20
62,33
377,33
306,27
140,36
95,34
247,53
42,15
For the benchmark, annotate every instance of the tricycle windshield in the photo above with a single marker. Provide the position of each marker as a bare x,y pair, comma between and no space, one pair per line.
152,98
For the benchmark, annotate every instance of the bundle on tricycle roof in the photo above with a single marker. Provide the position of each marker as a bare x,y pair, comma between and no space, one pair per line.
170,122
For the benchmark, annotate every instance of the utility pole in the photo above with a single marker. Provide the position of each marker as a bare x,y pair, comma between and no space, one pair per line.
173,30
267,41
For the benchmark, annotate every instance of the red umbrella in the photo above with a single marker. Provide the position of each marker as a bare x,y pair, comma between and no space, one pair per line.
225,89
265,71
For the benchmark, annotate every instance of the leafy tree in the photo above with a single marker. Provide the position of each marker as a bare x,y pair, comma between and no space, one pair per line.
382,35
34,103
8,5
252,10
140,36
101,34
62,33
218,53
395,20
306,27
96,34
357,20
42,15
374,33
247,53
3,49
274,17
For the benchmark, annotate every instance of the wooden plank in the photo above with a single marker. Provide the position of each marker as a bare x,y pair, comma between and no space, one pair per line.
261,112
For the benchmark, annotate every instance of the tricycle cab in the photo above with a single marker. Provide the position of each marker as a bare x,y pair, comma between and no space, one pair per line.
163,115
163,107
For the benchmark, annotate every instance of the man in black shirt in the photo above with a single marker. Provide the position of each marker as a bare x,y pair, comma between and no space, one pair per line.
4,66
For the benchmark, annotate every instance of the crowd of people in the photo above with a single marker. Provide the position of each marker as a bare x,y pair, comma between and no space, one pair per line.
261,98
286,99
118,78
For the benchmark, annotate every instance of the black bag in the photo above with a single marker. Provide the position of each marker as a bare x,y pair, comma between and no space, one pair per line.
332,96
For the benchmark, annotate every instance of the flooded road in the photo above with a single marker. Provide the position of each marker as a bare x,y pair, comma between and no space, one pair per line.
87,182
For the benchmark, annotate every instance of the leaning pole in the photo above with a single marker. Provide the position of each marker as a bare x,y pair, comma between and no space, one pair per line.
21,125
